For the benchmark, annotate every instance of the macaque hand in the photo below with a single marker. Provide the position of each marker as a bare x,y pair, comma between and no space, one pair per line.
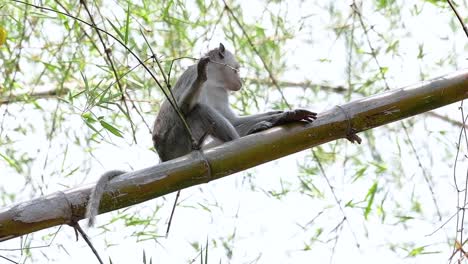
201,68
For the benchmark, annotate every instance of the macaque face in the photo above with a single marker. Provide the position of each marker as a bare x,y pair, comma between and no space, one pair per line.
224,69
230,72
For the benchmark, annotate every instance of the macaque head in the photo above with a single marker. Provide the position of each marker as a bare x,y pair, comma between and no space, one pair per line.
224,68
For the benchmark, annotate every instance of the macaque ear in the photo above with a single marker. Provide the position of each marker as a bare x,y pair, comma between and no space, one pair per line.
221,50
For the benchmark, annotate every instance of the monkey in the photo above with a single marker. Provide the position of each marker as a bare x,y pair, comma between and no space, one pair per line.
202,96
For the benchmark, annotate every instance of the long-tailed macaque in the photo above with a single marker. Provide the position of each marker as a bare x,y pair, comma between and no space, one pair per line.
201,94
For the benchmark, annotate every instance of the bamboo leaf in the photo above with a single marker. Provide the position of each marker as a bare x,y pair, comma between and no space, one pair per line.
127,25
110,128
370,199
117,30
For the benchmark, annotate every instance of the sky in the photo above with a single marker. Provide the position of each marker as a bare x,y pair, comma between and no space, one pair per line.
240,214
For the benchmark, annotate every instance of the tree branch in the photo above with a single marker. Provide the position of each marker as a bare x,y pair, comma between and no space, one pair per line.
36,95
138,186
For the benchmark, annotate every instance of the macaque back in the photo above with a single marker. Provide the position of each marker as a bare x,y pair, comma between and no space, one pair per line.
202,96
170,138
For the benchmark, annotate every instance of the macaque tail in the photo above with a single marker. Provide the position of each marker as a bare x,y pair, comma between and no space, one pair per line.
96,195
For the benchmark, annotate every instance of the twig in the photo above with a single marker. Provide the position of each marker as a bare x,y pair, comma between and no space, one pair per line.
460,218
265,65
303,84
373,52
425,175
447,119
108,52
345,218
179,114
39,95
78,228
458,17
172,213
387,87
12,261
35,247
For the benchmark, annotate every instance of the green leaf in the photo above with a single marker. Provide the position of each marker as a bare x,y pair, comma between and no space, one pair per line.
260,32
110,128
11,162
89,120
421,53
384,70
416,251
370,199
380,167
404,218
393,47
435,2
88,117
204,207
127,25
85,81
384,3
359,173
350,203
117,30
165,13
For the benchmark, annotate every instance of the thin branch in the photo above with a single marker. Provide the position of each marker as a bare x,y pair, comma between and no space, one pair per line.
172,213
387,87
425,175
460,19
447,119
110,61
83,234
369,43
5,258
304,84
38,95
332,190
265,65
173,104
148,183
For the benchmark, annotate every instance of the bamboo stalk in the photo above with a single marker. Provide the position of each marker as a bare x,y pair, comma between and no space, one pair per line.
138,186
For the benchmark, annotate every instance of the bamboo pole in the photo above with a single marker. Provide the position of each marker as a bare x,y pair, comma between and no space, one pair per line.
139,186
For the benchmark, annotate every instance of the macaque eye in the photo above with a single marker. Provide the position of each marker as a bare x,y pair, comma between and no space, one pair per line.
234,68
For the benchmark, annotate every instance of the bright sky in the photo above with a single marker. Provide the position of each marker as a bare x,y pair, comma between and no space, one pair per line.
259,228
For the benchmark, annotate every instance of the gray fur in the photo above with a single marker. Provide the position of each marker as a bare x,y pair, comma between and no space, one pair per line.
202,93
96,194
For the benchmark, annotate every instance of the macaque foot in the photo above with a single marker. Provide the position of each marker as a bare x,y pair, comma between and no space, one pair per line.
298,115
196,145
261,126
353,137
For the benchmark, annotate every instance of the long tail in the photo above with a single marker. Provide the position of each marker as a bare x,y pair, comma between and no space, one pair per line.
96,195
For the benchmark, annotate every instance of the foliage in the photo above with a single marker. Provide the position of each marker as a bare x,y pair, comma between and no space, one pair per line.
68,111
